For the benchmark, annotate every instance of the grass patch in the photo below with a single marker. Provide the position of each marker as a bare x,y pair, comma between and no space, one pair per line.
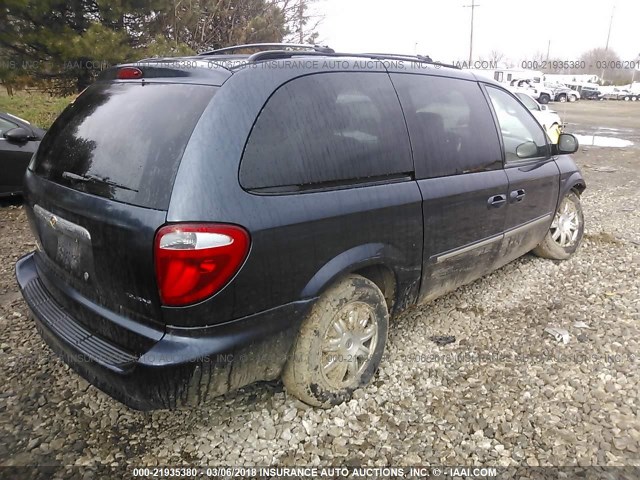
37,108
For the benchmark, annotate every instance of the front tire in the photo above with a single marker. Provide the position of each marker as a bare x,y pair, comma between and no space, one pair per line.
544,99
340,344
566,231
562,98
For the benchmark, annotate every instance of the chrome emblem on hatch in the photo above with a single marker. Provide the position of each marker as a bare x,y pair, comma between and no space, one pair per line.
69,229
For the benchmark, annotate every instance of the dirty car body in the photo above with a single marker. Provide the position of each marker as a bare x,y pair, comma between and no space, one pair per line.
195,154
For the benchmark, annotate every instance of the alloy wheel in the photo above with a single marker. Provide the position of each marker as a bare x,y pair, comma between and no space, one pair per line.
566,225
349,344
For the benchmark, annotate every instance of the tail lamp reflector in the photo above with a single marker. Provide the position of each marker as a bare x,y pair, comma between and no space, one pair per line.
194,261
129,73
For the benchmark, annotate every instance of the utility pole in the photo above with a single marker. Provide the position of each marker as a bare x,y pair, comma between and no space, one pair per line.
473,8
548,49
606,48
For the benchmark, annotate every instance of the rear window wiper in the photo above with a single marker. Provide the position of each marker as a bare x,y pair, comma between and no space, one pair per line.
94,178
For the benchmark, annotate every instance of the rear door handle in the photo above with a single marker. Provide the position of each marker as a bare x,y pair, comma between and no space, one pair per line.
517,195
496,201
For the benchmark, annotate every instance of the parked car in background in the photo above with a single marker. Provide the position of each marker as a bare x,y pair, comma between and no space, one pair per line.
18,142
274,234
548,119
620,94
562,93
537,90
590,93
507,75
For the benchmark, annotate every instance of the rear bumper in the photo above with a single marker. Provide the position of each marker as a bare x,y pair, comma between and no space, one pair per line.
185,367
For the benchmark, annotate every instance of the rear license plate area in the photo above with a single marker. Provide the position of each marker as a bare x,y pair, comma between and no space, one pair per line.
68,253
67,244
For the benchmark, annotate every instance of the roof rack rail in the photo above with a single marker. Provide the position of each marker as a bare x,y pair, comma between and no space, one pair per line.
314,48
279,54
401,56
276,54
420,58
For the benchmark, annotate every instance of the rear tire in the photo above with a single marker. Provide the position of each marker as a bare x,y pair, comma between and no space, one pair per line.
340,344
566,231
572,98
544,99
562,98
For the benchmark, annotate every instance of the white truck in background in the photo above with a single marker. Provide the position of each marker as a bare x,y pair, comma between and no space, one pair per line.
526,81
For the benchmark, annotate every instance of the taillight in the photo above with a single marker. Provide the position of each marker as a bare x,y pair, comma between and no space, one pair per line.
195,261
129,73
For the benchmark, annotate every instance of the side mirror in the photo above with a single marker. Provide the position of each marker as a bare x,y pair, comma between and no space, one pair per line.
567,144
544,107
17,135
527,150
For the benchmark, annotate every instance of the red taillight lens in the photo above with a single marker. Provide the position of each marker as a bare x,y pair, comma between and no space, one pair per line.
195,261
129,73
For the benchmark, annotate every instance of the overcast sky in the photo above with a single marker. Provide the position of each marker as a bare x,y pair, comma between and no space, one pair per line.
518,28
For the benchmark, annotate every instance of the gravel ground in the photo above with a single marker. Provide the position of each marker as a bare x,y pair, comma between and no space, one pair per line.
504,393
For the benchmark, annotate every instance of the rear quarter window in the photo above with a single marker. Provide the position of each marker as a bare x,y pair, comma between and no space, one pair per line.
130,135
327,128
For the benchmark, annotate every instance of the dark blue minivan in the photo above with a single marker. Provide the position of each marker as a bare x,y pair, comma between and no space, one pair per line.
203,223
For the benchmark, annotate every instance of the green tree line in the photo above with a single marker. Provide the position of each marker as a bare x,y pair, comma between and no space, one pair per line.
64,43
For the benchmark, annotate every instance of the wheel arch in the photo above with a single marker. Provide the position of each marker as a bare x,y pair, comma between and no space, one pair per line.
579,187
571,178
374,261
385,280
574,183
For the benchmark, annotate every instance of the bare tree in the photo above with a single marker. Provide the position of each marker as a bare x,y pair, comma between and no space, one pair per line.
300,20
496,56
607,64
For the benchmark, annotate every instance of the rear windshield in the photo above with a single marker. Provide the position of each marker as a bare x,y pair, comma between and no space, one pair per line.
123,141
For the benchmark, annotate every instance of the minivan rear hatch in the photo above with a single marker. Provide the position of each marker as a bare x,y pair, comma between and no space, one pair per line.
103,179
